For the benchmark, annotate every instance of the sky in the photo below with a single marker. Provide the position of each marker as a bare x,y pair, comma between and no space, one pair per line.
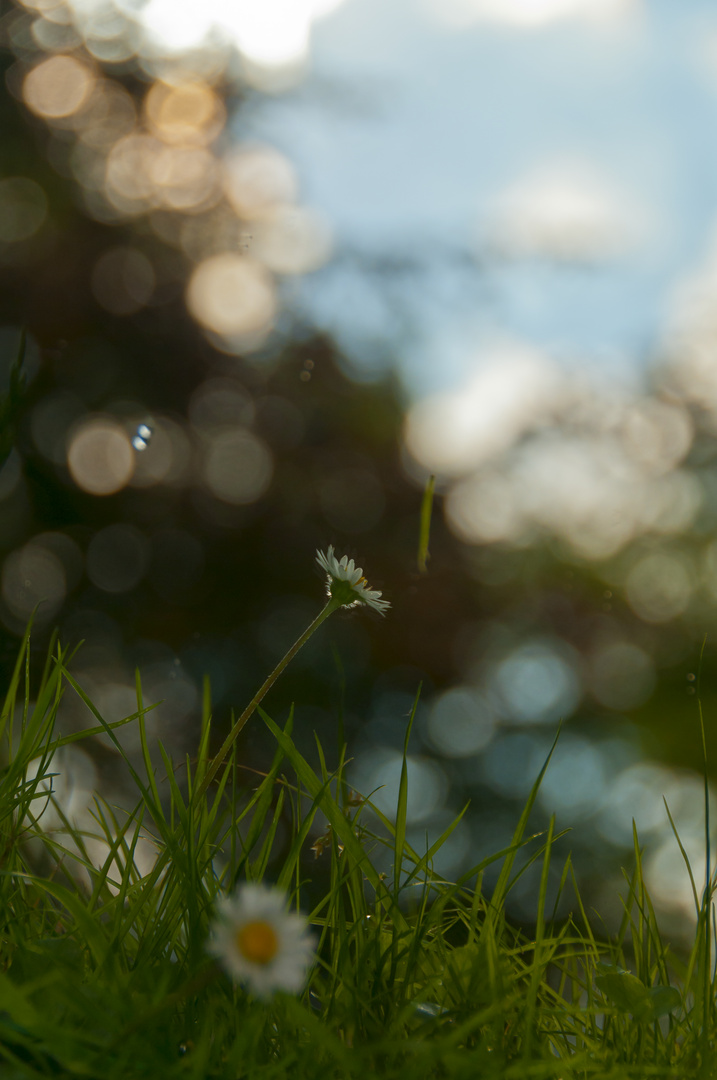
551,181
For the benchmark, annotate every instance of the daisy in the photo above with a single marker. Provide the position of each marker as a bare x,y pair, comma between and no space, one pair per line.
345,582
260,943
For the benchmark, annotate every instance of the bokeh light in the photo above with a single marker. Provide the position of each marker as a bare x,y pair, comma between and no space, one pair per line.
184,114
108,116
258,180
514,388
670,886
129,178
637,794
142,437
159,152
486,508
70,789
659,586
575,782
238,466
295,240
204,232
33,577
658,434
185,178
527,449
58,87
232,295
460,722
166,458
538,682
100,456
378,775
53,33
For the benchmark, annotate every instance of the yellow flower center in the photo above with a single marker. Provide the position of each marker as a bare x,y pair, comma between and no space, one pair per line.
257,942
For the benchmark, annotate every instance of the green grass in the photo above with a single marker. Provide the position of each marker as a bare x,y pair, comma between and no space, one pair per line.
104,970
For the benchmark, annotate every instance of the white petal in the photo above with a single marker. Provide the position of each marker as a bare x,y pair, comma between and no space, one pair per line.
345,569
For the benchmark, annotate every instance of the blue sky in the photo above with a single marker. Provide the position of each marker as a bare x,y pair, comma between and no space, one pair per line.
408,133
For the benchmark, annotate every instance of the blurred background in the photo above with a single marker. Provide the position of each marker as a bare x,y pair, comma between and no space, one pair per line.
278,264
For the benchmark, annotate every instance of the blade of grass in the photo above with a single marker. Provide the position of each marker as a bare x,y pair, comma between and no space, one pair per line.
425,526
708,873
536,969
343,828
501,889
424,861
402,804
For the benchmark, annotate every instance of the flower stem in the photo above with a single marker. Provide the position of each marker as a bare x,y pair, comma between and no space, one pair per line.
331,606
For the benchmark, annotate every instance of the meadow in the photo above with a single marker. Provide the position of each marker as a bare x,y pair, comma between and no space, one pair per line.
218,960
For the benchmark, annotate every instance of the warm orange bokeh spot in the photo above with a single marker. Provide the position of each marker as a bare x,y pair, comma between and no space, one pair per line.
189,114
57,87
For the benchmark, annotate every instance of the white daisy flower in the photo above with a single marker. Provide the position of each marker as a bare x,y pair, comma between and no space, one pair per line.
260,943
345,582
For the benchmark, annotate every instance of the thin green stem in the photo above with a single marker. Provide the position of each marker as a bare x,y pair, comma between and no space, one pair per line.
331,606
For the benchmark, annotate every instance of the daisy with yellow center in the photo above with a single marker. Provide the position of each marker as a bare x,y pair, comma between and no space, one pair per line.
260,944
345,582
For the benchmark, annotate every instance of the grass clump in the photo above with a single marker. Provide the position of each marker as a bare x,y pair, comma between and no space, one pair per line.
106,968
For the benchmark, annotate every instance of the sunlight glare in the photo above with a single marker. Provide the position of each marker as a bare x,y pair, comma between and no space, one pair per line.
177,27
272,34
516,387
